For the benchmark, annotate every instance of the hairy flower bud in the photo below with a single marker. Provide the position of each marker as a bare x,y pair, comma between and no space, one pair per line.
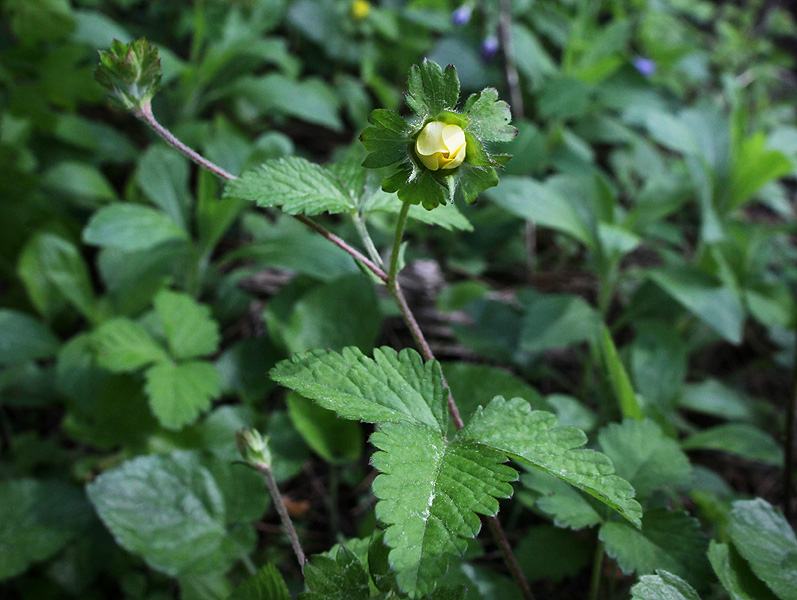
441,146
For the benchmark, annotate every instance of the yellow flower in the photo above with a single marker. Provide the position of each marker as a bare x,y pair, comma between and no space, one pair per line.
441,146
360,9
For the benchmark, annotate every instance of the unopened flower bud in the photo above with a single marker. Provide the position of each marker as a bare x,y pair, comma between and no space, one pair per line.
489,47
360,9
254,448
441,146
645,66
461,16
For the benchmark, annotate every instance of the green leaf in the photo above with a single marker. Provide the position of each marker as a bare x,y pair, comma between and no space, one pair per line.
386,139
667,540
644,456
163,175
189,326
489,117
295,185
755,166
561,501
131,227
735,574
122,345
391,386
174,511
66,269
430,492
527,199
549,553
266,584
423,189
663,586
179,393
714,304
37,518
474,180
336,441
555,321
766,540
339,578
431,91
532,437
446,216
740,439
379,564
618,377
24,338
658,363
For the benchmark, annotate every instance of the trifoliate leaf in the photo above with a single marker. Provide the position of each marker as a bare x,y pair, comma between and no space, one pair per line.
179,393
532,437
489,117
663,586
430,90
431,491
122,345
644,456
266,584
735,574
341,578
295,185
387,139
668,540
766,540
392,386
174,511
37,518
189,326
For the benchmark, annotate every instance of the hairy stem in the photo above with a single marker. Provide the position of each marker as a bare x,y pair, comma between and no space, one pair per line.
282,510
394,255
362,230
146,115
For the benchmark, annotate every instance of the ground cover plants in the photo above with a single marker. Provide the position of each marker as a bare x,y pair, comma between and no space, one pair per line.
417,299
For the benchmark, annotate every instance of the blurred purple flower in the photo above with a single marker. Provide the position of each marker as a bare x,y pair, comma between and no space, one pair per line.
489,47
461,16
646,66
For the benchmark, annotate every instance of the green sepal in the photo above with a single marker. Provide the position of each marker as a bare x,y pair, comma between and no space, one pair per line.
430,90
453,118
475,152
474,180
131,72
489,117
423,189
386,139
397,180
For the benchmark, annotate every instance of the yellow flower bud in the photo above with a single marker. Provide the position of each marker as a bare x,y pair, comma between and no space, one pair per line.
360,9
441,146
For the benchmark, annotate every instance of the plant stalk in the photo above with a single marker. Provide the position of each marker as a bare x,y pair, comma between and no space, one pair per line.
362,230
597,565
282,510
146,115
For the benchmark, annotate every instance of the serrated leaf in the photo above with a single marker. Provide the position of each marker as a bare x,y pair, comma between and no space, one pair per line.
179,393
735,574
24,338
391,386
644,456
378,563
431,91
189,326
386,139
766,540
474,180
171,510
424,189
122,345
431,491
489,117
564,503
341,578
667,540
266,584
532,437
131,227
37,518
295,185
663,586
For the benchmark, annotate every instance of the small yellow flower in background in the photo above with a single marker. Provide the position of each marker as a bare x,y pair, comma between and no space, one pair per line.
360,9
441,146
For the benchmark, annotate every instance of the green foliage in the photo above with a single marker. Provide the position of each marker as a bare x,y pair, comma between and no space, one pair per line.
663,586
266,584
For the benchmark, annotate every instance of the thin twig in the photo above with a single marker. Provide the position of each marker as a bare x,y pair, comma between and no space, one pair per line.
509,557
282,510
512,78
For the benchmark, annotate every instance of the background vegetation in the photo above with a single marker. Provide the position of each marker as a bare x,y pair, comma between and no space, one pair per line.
634,272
